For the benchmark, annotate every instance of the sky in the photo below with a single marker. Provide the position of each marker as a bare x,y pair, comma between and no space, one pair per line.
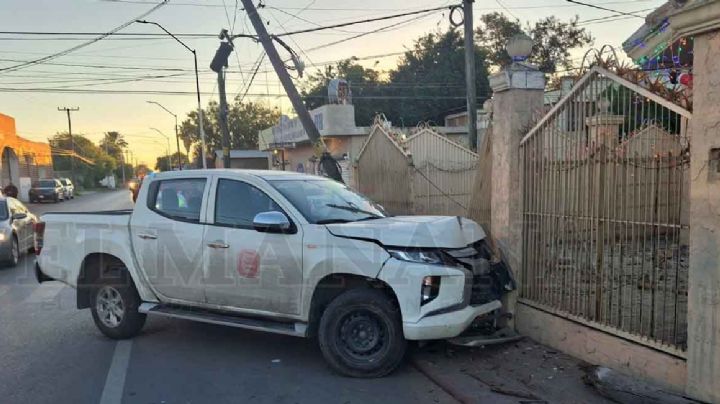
131,64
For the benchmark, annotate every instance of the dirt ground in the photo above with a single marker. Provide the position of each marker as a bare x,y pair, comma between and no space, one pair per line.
521,372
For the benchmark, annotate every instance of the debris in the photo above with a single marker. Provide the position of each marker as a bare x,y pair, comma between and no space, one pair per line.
625,389
276,361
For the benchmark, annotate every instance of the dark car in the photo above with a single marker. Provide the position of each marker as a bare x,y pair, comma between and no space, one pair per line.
49,189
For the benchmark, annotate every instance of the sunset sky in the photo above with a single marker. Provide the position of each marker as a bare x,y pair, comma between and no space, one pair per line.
132,64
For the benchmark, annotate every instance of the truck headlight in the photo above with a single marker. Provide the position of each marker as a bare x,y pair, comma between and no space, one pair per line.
423,256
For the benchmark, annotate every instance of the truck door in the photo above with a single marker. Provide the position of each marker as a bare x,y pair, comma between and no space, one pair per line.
246,268
167,235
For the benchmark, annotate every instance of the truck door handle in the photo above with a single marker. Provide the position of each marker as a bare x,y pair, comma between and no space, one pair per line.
147,236
218,244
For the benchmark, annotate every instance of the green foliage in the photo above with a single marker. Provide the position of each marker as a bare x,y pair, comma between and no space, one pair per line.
245,120
553,40
94,165
162,164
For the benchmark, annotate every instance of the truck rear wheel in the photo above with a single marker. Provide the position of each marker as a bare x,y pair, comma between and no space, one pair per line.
360,334
115,303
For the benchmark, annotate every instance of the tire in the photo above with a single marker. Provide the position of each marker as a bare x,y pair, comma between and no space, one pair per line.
14,256
119,320
360,334
55,199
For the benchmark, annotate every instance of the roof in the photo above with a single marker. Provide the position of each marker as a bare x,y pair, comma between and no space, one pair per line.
245,154
264,174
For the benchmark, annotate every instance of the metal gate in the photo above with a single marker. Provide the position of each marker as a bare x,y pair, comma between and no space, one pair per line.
605,211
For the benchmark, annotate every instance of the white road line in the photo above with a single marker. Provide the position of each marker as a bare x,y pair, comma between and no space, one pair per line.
45,293
115,381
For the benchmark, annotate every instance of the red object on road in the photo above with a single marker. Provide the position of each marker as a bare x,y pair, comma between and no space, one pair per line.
39,229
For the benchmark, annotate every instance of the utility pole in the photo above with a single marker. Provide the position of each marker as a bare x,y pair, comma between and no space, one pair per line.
470,73
122,157
224,119
72,142
329,164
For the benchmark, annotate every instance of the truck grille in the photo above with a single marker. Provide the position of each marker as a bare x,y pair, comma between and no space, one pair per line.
490,280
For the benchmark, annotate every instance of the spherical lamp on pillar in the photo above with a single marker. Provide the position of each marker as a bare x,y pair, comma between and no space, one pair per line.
519,47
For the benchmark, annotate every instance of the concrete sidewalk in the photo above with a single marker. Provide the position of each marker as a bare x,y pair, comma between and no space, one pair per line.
521,372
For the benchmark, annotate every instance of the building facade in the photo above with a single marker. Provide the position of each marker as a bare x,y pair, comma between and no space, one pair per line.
23,160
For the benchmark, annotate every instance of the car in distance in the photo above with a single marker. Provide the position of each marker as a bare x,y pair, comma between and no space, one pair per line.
280,252
46,189
16,230
68,188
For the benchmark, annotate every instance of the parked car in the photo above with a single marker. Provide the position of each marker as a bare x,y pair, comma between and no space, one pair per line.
68,188
280,252
47,189
16,230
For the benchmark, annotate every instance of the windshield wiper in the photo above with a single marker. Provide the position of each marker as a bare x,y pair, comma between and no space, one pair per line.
331,221
355,210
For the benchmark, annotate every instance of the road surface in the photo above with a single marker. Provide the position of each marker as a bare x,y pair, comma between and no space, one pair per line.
51,352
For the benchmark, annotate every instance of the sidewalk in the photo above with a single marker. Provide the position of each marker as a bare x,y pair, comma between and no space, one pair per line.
521,372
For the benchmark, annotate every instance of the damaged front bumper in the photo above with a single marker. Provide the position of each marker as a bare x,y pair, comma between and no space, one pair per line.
471,288
451,324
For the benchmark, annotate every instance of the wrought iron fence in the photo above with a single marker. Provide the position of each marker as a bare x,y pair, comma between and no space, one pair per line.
605,211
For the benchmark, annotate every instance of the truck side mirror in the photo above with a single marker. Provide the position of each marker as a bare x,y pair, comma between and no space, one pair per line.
271,222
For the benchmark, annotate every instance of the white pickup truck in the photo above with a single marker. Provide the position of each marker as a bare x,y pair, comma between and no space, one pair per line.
281,252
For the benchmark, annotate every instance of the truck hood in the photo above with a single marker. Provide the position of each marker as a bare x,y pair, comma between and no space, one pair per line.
413,231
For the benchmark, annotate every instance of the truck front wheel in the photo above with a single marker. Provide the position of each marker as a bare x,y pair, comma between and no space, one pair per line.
360,334
115,303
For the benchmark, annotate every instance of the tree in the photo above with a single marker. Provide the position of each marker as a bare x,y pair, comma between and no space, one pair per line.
553,40
91,163
364,82
245,120
430,82
162,164
427,84
113,143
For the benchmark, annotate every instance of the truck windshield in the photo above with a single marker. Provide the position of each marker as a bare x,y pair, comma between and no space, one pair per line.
325,201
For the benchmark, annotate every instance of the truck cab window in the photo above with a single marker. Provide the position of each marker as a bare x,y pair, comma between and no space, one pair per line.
179,199
237,203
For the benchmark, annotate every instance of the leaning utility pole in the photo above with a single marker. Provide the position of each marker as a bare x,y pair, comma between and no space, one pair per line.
72,142
329,164
470,73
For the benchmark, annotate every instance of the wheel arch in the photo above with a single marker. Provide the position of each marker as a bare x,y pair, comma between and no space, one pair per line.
90,270
331,286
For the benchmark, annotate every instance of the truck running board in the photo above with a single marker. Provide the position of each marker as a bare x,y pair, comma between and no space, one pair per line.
231,320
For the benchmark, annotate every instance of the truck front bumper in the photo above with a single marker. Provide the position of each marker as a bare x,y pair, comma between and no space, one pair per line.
447,325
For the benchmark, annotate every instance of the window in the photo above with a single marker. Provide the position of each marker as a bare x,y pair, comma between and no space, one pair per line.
44,184
237,203
325,201
178,199
3,210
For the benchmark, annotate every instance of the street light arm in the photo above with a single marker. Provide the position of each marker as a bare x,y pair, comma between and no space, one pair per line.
158,131
167,32
161,106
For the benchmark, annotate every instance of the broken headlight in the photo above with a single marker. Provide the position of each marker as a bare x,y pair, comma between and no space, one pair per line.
422,256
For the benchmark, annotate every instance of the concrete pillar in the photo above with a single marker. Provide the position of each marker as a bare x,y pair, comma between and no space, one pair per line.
604,129
517,97
704,279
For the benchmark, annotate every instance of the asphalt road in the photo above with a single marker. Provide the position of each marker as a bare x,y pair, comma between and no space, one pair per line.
50,352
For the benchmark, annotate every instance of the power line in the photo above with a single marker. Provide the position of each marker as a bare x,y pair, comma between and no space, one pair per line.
604,8
82,45
262,57
387,17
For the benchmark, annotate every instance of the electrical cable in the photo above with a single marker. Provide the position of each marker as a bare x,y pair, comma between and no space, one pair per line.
82,45
603,8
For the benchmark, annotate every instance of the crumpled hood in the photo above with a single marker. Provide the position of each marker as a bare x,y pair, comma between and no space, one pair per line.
413,231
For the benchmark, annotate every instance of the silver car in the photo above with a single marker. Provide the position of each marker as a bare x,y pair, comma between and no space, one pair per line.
16,230
68,188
